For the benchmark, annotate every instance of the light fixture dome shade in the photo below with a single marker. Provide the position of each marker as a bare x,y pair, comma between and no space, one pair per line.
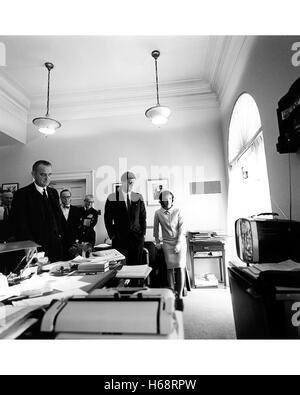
158,114
46,125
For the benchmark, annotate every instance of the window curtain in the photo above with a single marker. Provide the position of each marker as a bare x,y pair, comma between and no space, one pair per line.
248,192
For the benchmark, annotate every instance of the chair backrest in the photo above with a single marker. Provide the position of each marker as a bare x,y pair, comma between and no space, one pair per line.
145,257
150,246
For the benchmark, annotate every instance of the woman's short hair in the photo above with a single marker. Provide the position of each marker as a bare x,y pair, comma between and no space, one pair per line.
165,191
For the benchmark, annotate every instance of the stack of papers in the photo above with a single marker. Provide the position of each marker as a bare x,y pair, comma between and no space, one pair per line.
110,255
103,245
209,280
134,271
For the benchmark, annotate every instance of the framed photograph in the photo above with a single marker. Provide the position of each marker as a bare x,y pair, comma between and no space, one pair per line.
154,187
116,187
10,187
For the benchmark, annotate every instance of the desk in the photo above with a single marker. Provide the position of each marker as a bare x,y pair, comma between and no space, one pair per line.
208,247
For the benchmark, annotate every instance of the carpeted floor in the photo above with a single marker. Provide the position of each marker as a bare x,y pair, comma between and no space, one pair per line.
208,314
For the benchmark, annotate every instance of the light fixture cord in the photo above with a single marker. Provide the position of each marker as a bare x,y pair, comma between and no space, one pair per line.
157,98
47,114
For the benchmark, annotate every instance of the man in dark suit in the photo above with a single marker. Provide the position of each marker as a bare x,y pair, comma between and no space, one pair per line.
125,220
5,229
70,222
35,212
88,220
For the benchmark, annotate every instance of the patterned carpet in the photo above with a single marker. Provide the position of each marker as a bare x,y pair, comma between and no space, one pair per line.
208,314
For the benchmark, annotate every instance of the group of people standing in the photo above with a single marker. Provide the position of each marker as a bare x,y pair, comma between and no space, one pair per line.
38,213
125,222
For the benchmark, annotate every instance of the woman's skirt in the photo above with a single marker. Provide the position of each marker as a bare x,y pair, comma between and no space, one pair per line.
174,260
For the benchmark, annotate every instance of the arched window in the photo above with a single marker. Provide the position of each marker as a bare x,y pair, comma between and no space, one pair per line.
249,192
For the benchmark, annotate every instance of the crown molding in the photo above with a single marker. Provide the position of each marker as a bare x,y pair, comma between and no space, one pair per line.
224,57
188,94
12,100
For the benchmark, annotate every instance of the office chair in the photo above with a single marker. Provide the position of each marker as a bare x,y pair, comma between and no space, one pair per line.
145,256
145,261
158,275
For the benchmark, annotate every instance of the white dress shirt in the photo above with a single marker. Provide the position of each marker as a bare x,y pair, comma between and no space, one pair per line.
41,189
65,210
125,196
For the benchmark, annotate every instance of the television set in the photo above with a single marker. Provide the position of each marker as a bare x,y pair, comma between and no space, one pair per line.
288,116
262,240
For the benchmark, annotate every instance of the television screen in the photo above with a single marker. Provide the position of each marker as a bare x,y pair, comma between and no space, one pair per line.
267,240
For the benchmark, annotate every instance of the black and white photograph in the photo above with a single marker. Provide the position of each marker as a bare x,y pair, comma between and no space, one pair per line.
149,191
10,187
154,189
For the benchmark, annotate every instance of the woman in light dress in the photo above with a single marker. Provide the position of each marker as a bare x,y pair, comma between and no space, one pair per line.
173,244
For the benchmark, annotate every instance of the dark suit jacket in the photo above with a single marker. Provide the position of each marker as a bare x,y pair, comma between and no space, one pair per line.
70,227
31,221
121,225
87,233
5,229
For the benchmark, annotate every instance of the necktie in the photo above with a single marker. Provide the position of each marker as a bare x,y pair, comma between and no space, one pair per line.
128,203
6,214
45,194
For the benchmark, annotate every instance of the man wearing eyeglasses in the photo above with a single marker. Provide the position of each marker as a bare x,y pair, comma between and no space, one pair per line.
70,222
88,220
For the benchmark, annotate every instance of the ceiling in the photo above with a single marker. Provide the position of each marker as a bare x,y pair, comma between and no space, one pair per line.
85,63
101,62
97,76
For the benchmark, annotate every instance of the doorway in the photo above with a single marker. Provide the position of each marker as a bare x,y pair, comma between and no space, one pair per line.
79,183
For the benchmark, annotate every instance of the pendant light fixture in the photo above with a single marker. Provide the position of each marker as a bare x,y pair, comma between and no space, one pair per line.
47,125
157,114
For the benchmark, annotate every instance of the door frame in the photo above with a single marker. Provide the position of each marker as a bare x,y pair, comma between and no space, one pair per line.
87,175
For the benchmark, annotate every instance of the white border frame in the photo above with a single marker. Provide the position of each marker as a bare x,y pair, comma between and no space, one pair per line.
150,199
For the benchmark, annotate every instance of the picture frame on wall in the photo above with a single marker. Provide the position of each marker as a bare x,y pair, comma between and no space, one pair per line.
154,187
12,187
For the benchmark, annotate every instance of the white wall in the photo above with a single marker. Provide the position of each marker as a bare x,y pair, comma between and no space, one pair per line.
191,140
267,77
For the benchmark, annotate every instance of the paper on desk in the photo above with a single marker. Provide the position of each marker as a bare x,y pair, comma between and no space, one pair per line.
69,283
46,300
103,245
45,284
10,291
134,271
10,316
281,266
57,265
80,259
110,255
